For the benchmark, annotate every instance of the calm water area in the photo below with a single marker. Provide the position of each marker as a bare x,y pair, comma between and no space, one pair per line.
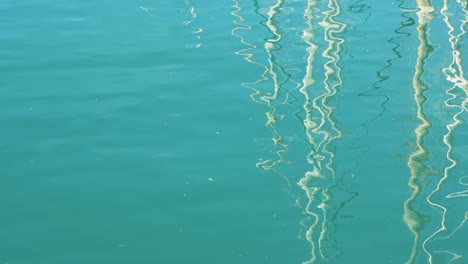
234,131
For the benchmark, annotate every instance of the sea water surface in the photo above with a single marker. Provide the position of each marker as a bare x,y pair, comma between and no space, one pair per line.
234,131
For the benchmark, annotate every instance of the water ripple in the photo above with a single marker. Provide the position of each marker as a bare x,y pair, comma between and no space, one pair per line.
454,74
247,52
414,219
190,9
321,131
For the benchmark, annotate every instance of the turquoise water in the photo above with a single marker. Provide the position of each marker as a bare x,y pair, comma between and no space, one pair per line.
234,132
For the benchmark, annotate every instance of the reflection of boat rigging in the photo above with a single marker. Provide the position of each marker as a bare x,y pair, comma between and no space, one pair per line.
320,86
271,45
455,74
308,81
246,53
269,88
412,217
321,132
320,128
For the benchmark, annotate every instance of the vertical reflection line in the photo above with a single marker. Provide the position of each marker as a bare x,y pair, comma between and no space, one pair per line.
246,53
269,47
264,97
331,83
320,157
454,74
308,81
411,217
270,97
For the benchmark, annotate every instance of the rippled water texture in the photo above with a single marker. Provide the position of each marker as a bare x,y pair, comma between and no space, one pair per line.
234,131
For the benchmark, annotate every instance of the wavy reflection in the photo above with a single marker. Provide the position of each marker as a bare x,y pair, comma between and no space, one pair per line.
195,30
247,52
308,81
455,74
361,8
270,46
271,72
321,131
414,219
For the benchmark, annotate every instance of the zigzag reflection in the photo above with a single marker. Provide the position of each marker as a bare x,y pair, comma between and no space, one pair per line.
196,30
413,219
455,74
271,44
271,72
246,53
308,81
321,134
318,181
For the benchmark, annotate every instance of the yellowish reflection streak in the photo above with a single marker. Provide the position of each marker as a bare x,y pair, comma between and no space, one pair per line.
454,74
246,53
193,15
269,47
321,133
463,193
269,97
265,97
309,124
411,217
332,71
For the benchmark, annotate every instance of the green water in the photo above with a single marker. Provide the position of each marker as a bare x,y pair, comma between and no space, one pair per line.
234,132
